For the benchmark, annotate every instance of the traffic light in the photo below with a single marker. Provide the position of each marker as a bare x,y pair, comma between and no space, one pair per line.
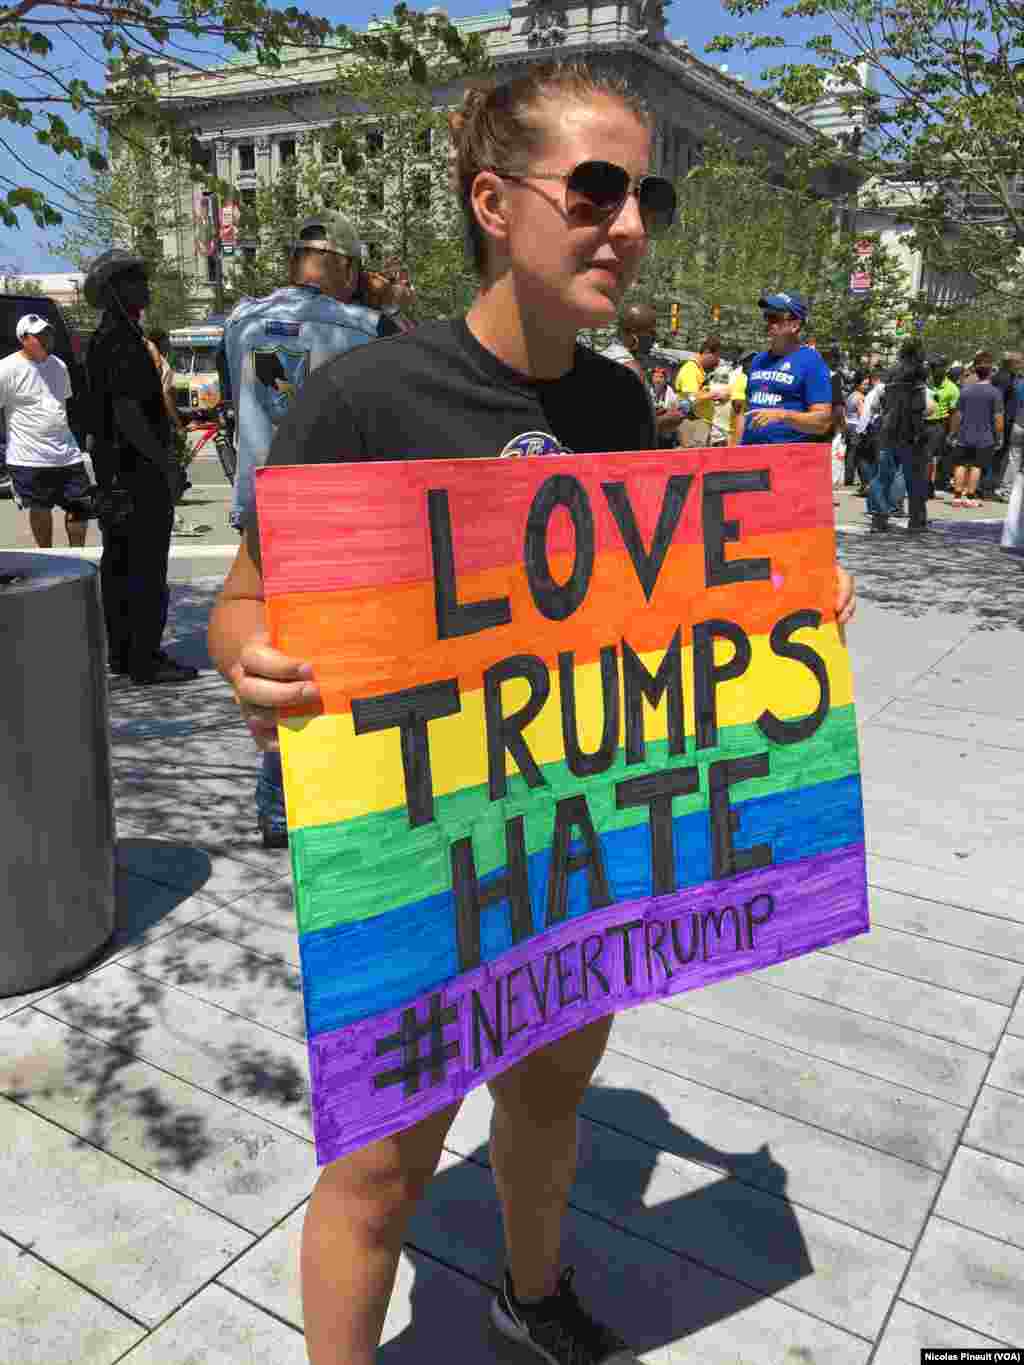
716,312
674,318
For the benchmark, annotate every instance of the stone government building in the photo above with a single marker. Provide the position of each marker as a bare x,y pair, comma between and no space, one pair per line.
249,133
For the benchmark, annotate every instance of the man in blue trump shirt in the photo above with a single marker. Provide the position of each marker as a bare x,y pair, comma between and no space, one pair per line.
789,393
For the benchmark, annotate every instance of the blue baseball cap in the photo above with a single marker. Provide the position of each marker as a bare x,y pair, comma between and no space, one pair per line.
785,303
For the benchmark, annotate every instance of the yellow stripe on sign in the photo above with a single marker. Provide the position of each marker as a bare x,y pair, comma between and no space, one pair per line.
332,774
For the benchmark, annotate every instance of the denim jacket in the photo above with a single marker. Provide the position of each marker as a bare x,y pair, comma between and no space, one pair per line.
271,346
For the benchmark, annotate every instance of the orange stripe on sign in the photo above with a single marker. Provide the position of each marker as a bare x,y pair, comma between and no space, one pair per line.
368,641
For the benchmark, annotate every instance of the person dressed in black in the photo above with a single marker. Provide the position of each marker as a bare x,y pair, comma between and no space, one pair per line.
134,455
552,170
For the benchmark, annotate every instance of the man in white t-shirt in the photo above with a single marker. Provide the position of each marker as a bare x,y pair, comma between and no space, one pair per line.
46,466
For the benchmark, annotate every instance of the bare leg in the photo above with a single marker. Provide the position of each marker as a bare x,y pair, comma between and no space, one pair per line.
76,528
41,521
959,478
533,1151
353,1233
974,477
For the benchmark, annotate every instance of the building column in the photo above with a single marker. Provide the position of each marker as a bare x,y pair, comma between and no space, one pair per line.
263,167
223,150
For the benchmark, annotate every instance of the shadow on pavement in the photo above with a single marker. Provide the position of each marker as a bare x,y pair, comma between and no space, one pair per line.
739,1225
955,567
189,615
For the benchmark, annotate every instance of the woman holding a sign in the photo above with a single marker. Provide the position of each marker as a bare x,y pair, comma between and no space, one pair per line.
552,172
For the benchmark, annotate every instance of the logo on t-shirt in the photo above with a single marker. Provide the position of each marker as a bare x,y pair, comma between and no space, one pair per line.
534,443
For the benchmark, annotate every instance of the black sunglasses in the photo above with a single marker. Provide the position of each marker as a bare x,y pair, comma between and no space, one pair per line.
596,190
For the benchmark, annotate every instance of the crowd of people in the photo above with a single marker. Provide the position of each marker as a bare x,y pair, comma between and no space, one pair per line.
552,176
903,435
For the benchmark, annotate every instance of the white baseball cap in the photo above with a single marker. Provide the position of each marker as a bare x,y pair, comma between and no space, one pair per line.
31,325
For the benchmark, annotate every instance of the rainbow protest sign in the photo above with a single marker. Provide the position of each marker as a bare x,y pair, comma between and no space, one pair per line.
587,739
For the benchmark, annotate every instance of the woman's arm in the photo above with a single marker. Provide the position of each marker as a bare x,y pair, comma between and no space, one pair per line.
262,677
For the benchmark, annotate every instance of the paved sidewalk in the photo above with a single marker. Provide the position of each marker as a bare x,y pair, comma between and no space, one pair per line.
820,1164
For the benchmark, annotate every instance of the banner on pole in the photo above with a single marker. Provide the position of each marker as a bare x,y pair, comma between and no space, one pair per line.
586,739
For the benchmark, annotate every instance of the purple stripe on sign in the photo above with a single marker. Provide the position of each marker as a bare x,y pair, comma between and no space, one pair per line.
388,1071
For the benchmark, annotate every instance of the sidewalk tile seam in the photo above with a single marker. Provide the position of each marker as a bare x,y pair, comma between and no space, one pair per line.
942,942
234,1014
946,905
102,959
953,1322
881,1018
950,739
985,1151
932,1215
236,943
717,1272
931,869
206,896
260,1307
795,1118
802,1052
990,1085
738,1179
185,1080
944,706
214,1280
29,1250
85,1141
718,1170
977,1232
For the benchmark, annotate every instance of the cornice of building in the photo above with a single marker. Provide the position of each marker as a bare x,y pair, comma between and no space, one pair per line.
310,72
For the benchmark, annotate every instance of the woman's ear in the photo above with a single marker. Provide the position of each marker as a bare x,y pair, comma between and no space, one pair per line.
490,206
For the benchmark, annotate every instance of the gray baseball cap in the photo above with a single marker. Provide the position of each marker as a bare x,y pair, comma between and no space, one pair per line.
329,231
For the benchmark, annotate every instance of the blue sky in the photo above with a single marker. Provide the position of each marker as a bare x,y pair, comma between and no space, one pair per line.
29,249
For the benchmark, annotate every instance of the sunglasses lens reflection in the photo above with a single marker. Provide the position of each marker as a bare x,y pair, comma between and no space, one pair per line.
594,189
657,201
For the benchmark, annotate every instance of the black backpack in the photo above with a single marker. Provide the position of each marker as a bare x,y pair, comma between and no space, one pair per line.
903,411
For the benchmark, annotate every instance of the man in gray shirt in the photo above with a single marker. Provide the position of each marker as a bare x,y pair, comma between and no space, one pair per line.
978,423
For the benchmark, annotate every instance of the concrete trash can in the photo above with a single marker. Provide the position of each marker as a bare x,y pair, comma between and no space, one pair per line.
56,792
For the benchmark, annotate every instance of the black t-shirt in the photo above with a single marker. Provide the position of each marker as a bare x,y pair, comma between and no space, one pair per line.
120,366
436,393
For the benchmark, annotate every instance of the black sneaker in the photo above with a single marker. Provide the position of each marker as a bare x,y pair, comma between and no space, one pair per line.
273,835
558,1328
163,672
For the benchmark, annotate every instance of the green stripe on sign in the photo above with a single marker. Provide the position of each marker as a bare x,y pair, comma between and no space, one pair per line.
365,867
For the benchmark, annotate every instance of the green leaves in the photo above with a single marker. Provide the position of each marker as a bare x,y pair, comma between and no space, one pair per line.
50,98
34,201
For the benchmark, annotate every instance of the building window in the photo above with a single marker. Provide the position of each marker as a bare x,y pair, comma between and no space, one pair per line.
211,269
200,155
287,150
421,191
374,142
423,140
375,197
246,156
248,213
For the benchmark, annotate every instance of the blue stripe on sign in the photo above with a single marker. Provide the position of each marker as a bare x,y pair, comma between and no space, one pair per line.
354,970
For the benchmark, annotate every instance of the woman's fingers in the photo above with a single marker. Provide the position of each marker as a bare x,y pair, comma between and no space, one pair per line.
846,596
265,680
